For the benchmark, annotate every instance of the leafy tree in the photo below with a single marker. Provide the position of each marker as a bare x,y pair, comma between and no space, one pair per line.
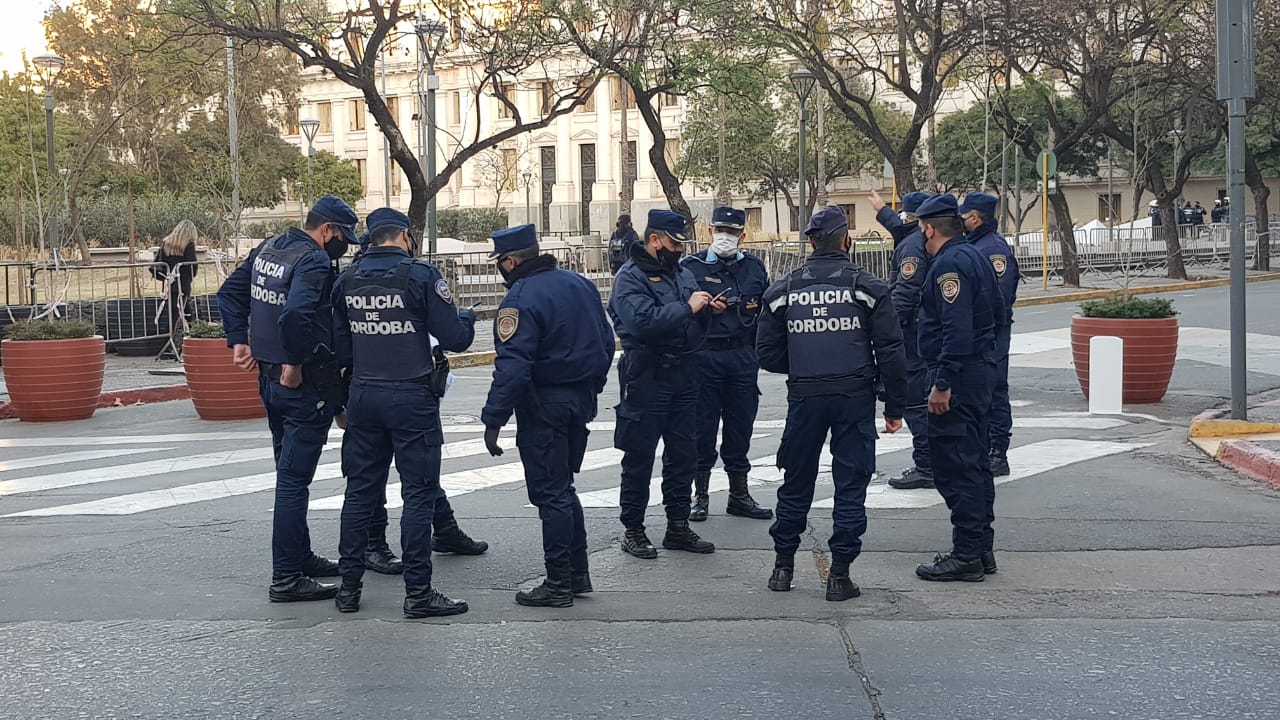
330,175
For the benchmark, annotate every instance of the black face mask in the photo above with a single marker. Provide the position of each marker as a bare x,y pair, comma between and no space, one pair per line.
669,258
506,274
336,247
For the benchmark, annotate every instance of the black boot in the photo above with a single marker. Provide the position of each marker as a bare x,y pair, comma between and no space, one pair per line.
379,558
948,567
316,566
701,499
784,569
449,538
425,602
741,502
680,537
297,587
988,559
913,479
555,592
348,597
839,586
636,544
999,460
581,582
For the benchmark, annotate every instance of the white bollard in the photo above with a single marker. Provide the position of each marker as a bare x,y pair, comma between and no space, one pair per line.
1106,375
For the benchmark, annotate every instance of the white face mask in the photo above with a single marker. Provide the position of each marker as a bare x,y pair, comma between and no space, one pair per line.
724,244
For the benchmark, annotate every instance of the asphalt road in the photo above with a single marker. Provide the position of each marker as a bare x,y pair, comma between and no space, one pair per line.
1138,580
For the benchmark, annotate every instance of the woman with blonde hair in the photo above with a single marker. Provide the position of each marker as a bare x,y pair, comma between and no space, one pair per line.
178,251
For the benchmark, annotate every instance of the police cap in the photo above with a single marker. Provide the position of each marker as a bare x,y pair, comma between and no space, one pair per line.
513,239
826,221
670,223
340,214
981,202
383,218
938,206
912,200
728,217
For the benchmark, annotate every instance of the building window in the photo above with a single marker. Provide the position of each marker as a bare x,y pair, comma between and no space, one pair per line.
324,113
671,151
506,93
355,115
849,209
509,169
397,179
890,63
755,219
455,108
393,107
623,98
362,166
589,105
669,100
291,126
547,93
1109,207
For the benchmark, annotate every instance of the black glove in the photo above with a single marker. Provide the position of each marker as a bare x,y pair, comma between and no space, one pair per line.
491,440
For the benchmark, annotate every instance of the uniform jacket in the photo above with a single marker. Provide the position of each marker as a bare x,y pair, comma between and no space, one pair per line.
650,306
907,271
993,245
620,243
745,280
892,222
959,309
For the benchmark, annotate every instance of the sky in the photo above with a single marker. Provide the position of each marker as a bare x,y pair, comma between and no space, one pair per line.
21,30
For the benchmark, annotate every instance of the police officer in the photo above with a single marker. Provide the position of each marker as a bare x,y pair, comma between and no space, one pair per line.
960,309
1153,212
660,316
385,308
448,537
554,351
620,242
979,214
1217,215
831,327
907,270
727,365
275,307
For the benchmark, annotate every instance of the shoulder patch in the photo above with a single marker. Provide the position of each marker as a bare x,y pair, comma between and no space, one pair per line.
442,289
1000,263
655,278
909,267
508,321
713,279
950,285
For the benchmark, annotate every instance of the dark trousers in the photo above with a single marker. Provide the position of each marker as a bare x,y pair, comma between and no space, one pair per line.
551,434
442,518
916,413
1001,411
386,420
727,390
851,423
657,404
961,467
299,419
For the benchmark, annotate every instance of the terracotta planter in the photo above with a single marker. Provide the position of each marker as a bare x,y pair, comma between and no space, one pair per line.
219,389
52,380
1150,349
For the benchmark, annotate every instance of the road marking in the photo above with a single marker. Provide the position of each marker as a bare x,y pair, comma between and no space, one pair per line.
133,439
44,460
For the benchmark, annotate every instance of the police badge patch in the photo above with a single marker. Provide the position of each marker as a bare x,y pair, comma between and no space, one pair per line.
1000,263
909,267
950,284
507,323
442,289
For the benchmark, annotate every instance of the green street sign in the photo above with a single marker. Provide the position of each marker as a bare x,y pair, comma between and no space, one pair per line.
1047,164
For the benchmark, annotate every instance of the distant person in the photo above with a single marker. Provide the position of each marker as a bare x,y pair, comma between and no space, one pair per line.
1154,213
1218,214
1187,216
620,243
175,265
1198,213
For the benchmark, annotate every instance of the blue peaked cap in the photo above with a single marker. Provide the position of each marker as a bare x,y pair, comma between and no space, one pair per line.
911,201
383,218
938,206
982,202
728,217
334,210
513,239
826,221
670,223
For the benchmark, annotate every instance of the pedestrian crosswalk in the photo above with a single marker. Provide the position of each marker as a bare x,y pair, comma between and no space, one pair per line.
124,475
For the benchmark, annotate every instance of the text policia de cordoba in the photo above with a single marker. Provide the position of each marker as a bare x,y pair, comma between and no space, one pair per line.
818,301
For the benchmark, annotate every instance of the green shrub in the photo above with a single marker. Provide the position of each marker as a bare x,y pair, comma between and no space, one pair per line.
51,330
202,329
471,224
1129,308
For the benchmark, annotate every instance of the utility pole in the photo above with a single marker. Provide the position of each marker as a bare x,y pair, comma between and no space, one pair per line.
233,134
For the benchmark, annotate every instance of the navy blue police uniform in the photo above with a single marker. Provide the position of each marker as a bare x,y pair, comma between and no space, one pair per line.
1154,214
554,349
907,269
830,326
992,244
277,303
620,242
728,391
895,223
385,308
658,381
959,313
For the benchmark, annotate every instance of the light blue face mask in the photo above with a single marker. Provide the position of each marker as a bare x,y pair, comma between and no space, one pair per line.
724,244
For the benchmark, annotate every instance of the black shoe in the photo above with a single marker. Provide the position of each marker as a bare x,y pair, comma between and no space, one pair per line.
780,580
381,560
949,568
453,540
297,587
680,537
840,587
913,479
425,602
636,544
999,463
741,503
988,559
701,499
348,597
316,566
555,592
580,580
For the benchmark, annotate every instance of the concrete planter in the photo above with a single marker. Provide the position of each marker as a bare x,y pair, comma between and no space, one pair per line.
54,380
219,389
1150,350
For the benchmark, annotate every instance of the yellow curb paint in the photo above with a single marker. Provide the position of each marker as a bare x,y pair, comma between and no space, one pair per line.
1230,428
1145,290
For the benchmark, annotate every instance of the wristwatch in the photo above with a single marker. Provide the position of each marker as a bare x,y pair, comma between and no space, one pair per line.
942,385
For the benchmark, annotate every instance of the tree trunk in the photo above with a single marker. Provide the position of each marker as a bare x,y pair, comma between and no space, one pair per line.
73,211
1172,243
1261,196
658,156
628,190
1066,239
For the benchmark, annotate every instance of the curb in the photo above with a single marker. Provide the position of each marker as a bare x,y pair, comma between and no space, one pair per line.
1145,290
123,398
1252,460
1213,427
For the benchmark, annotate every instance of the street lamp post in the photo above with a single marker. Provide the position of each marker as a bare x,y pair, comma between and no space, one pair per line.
803,81
431,35
309,130
528,208
48,67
